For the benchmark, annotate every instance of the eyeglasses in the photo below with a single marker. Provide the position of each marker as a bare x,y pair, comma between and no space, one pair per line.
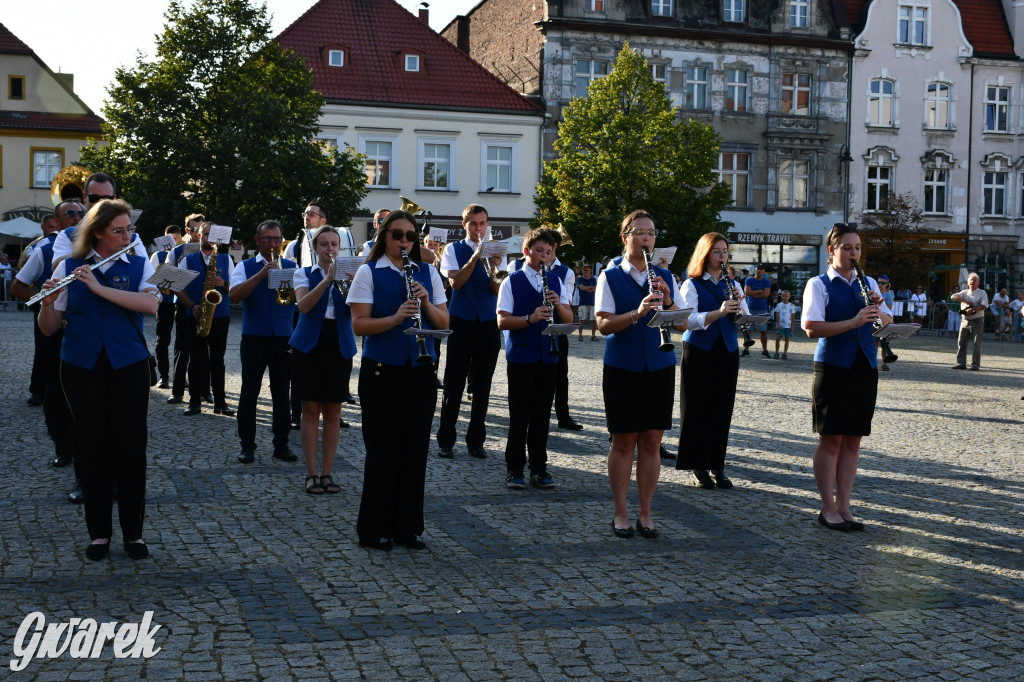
309,213
122,230
397,234
644,233
271,239
720,252
72,214
93,198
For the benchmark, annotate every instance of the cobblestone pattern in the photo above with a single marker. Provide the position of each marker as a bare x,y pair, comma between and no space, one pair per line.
252,579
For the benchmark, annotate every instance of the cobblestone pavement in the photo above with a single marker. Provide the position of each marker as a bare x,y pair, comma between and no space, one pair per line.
250,578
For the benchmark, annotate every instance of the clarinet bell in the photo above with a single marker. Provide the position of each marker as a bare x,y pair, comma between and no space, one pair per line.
888,357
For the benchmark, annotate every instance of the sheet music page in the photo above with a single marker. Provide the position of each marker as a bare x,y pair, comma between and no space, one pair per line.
164,242
134,217
494,249
220,234
170,278
279,276
439,234
346,266
668,253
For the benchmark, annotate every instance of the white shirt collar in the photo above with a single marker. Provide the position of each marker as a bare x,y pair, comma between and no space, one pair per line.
93,256
833,273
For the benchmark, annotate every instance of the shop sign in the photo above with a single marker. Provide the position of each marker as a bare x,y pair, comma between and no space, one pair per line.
775,239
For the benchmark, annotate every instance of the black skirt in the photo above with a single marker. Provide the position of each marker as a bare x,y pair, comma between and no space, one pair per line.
844,399
320,375
638,401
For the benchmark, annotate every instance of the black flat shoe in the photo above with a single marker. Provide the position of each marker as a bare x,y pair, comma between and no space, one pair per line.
343,424
664,452
95,552
411,542
625,533
841,526
569,424
224,410
164,384
649,533
383,544
191,410
445,453
855,525
703,479
246,457
77,495
60,461
721,480
285,454
296,425
479,453
174,400
136,550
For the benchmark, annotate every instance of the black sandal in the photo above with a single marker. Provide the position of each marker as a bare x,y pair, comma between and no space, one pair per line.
328,484
314,488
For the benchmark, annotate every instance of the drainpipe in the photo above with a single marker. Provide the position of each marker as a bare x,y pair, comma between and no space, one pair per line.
970,168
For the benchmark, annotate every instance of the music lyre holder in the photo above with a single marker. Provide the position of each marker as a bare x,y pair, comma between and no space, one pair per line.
896,331
669,318
559,329
748,322
432,333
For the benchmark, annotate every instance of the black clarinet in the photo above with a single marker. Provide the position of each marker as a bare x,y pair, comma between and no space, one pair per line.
666,339
731,288
887,354
552,341
421,341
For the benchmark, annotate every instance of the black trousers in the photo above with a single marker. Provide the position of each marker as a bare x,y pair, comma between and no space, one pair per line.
55,405
182,342
109,409
165,315
206,362
37,380
707,394
531,388
562,387
472,350
259,354
398,405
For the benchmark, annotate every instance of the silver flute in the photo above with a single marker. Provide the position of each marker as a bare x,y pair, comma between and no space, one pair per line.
71,278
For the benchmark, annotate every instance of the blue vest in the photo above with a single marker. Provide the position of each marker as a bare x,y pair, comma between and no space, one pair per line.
95,324
474,301
262,315
194,261
307,332
161,257
586,297
636,346
46,254
844,302
393,347
526,345
706,302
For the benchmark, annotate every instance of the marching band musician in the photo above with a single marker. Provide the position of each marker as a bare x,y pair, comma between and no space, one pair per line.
524,314
390,379
845,372
97,187
206,354
182,337
105,370
711,363
475,340
639,378
165,314
320,377
266,329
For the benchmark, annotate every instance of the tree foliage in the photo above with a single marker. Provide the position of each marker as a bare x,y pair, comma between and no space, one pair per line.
622,148
222,121
889,244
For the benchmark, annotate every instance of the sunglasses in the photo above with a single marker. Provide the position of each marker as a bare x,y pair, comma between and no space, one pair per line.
72,214
93,198
396,234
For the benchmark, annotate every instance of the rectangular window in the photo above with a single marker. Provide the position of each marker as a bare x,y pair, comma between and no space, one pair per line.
412,62
935,190
661,8
880,103
796,94
997,105
733,10
792,184
378,163
994,191
798,11
734,170
735,90
45,164
913,25
878,187
593,5
336,58
588,70
696,87
436,166
15,87
936,106
658,72
499,169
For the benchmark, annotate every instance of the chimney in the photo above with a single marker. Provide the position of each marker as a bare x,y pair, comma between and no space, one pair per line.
425,15
67,79
462,33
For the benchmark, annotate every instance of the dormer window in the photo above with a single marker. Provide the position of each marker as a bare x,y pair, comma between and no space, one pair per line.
336,58
661,8
412,62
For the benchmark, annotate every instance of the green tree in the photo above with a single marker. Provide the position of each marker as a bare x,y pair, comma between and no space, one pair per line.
889,244
623,147
223,122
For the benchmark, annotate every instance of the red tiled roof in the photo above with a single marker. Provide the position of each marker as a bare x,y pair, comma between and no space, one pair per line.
37,120
11,44
984,24
376,35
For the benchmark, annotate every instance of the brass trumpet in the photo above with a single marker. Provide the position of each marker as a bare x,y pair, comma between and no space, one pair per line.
285,292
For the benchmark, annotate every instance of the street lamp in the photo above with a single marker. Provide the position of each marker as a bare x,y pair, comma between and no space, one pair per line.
845,159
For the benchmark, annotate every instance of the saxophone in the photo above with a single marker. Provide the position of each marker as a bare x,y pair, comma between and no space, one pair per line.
211,298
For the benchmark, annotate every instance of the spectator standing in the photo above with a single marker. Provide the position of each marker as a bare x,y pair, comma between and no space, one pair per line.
919,304
1001,309
757,289
587,285
785,313
973,302
1015,311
